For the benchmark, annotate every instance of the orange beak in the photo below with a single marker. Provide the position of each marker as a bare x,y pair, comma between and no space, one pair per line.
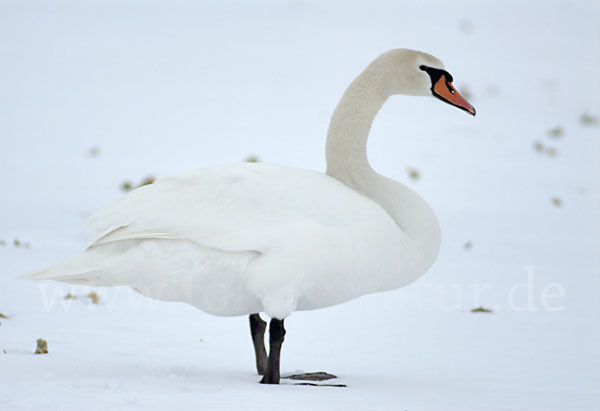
445,91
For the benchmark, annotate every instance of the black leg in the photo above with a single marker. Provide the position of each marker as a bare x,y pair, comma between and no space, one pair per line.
257,330
276,334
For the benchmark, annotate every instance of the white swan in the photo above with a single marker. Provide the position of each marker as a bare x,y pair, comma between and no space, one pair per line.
246,238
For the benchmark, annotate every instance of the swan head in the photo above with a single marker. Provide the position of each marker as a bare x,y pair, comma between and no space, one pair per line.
414,73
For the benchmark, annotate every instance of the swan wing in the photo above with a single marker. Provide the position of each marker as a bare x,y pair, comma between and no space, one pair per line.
243,207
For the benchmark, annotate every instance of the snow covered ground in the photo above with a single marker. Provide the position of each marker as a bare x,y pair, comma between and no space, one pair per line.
95,93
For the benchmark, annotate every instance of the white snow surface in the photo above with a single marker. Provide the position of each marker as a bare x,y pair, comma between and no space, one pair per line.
163,87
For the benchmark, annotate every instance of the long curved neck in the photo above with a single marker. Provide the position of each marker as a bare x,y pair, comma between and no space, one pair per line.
346,149
346,153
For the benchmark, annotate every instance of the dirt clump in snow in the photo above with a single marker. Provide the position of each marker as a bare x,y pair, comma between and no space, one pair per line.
413,173
95,298
482,309
556,132
252,159
589,120
128,185
557,201
42,346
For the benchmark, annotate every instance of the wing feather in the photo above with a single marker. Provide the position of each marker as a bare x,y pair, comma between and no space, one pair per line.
236,208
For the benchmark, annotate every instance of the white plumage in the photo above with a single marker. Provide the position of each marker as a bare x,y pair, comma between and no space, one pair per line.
246,238
226,238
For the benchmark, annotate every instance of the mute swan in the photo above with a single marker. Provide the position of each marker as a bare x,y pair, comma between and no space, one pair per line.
249,238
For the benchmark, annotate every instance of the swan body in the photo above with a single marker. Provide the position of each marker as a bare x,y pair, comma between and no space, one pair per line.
219,238
250,238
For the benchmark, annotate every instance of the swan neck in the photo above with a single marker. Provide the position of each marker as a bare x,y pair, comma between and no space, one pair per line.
346,149
346,154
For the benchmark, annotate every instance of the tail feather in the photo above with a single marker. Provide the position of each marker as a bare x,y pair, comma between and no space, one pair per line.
63,274
57,274
75,271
